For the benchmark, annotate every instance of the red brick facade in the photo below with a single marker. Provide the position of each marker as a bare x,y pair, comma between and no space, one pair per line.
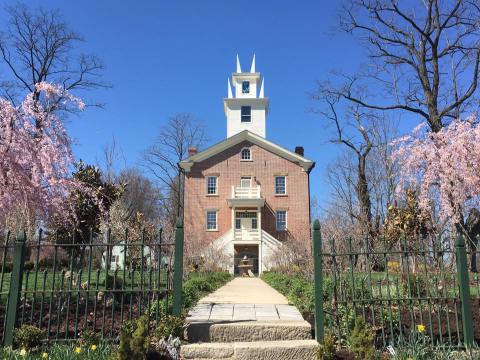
229,168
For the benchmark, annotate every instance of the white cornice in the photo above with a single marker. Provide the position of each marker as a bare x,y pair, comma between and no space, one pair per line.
246,135
228,101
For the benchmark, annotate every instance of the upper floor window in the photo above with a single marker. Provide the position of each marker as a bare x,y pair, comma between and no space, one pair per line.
280,185
281,220
246,154
212,188
246,113
211,220
245,87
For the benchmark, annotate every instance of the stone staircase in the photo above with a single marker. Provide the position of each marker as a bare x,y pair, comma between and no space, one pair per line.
248,331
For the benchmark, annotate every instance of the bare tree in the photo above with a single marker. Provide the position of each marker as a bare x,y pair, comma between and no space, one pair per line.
424,57
140,195
171,146
38,46
360,143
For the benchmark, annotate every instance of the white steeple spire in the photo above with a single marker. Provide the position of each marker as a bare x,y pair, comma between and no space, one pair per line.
252,69
229,89
239,69
245,107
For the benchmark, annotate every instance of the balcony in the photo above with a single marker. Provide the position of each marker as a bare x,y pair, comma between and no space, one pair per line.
246,196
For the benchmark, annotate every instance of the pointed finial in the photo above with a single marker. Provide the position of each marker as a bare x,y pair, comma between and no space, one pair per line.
229,89
239,69
252,69
261,95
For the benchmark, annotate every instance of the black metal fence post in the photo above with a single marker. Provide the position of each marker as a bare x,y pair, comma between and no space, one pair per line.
178,272
464,287
318,278
15,288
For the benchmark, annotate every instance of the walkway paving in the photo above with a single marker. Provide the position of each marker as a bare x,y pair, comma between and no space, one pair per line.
244,299
245,291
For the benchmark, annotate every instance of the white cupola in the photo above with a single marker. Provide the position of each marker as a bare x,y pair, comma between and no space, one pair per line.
247,108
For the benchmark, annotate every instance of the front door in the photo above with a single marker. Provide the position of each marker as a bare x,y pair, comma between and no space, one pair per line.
246,224
246,182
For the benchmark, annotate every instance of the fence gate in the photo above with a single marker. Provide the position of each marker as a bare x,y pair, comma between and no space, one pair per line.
66,286
399,290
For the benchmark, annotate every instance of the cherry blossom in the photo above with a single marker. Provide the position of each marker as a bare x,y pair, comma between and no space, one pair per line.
35,152
443,167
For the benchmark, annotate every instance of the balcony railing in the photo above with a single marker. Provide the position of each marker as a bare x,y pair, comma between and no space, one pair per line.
239,192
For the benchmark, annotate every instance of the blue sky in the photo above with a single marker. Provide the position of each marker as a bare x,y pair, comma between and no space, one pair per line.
168,57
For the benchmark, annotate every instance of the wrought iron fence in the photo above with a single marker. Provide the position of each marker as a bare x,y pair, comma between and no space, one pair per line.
398,290
66,288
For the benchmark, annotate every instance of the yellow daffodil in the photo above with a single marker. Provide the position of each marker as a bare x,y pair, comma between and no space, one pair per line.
78,350
44,355
421,328
23,352
93,347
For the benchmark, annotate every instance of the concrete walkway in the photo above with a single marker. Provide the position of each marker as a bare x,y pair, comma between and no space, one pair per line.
245,291
244,299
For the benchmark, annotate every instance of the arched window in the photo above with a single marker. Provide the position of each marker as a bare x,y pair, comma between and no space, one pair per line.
246,154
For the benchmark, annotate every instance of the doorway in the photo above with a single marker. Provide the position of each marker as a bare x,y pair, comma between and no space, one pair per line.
251,252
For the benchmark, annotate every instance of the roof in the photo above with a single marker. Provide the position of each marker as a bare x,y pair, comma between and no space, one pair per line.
246,135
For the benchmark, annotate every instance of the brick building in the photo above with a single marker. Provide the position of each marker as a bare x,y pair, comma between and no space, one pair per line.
246,195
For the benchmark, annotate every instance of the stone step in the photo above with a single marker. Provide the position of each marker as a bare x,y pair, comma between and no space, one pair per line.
259,350
244,331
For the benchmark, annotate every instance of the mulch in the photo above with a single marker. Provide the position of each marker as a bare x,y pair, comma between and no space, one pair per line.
67,319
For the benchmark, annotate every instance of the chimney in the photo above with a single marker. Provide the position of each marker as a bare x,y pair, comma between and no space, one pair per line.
192,151
299,150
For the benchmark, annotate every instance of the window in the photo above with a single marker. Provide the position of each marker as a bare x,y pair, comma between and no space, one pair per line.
211,220
280,185
245,87
281,217
212,185
246,182
238,224
254,224
246,112
246,154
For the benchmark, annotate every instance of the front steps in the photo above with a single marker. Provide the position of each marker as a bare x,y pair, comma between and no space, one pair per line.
249,339
259,350
245,331
247,320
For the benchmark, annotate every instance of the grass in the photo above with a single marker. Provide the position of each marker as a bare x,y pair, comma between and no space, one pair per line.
42,284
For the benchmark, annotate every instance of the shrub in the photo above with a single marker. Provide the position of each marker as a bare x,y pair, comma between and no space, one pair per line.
200,284
328,348
134,341
89,338
361,341
170,325
29,337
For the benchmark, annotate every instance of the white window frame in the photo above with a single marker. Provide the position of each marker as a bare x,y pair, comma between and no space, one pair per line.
249,153
216,185
216,220
286,220
242,117
275,185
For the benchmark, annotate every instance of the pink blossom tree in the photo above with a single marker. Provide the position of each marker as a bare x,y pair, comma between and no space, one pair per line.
35,153
444,169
